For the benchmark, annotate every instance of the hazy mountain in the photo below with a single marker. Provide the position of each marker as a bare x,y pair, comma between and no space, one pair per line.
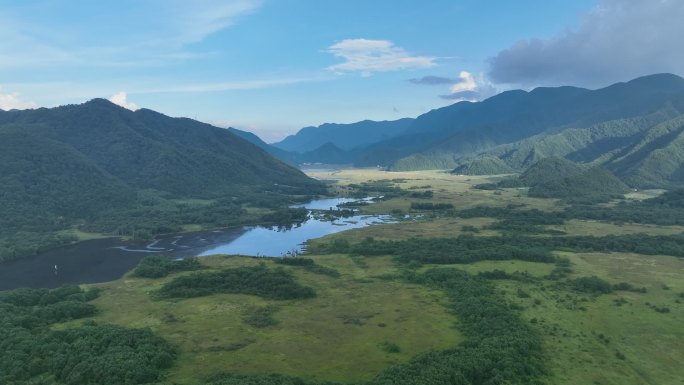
344,136
327,153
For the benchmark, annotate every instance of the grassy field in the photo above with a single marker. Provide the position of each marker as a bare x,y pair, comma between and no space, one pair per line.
616,338
340,335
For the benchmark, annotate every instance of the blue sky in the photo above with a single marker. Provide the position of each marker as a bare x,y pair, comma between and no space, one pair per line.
274,66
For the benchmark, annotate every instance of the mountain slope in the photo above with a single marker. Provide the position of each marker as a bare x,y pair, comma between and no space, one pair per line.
146,149
645,152
33,168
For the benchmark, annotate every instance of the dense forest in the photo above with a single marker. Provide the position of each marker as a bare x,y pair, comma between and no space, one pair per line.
258,280
34,353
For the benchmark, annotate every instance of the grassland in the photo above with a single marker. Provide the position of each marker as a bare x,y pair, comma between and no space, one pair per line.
616,338
342,334
338,336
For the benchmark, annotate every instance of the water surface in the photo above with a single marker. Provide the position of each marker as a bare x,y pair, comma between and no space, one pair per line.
103,260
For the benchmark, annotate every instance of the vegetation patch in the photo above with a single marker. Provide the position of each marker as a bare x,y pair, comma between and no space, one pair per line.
87,354
257,280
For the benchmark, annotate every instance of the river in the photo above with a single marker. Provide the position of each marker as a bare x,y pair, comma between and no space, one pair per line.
103,260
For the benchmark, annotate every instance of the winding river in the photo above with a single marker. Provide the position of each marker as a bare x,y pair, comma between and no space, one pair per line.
108,259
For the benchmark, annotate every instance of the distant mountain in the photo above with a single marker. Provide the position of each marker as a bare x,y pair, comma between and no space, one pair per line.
104,167
328,154
344,136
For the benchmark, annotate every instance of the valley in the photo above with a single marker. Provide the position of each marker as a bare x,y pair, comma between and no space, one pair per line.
373,313
253,192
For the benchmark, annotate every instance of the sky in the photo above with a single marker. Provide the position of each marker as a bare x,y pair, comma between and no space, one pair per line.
275,66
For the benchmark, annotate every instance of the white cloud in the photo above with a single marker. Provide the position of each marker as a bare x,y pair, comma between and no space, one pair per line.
13,101
370,56
205,17
470,88
466,83
121,99
156,33
616,41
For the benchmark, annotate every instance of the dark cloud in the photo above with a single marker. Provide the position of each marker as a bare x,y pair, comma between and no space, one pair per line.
432,80
462,95
616,41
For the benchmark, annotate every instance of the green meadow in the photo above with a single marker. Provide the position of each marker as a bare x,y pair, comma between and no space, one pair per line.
368,318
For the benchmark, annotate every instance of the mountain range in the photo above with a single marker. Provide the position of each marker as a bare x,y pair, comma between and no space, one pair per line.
634,129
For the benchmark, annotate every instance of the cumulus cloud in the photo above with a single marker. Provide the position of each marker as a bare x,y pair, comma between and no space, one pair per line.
370,56
432,80
467,87
13,101
618,40
121,99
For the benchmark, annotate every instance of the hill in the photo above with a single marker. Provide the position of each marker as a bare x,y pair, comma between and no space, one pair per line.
593,185
574,183
108,169
549,169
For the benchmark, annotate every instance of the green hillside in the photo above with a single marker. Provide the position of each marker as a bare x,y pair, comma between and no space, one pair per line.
548,170
645,152
111,170
593,185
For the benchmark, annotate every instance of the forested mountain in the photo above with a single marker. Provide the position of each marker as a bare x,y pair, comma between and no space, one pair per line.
111,169
466,128
344,136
